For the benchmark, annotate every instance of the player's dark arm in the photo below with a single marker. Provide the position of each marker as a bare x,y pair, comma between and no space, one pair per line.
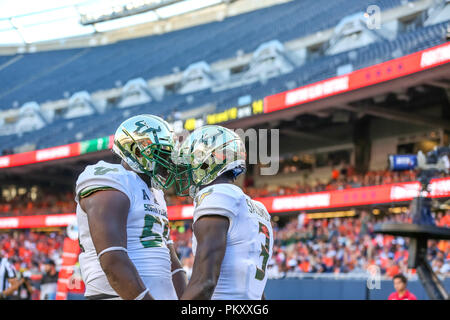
263,297
107,213
211,234
179,279
14,284
28,285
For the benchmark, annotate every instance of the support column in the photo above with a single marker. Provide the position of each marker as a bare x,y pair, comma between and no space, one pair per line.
361,139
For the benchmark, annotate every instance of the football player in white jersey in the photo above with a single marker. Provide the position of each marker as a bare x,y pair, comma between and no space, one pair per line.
126,251
232,234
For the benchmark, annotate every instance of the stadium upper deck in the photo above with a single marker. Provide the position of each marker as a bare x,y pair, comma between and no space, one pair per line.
45,76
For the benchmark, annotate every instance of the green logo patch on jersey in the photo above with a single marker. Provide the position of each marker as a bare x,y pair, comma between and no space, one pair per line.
99,171
200,198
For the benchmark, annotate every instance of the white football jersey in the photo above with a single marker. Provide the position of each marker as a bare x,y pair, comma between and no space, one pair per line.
147,231
249,240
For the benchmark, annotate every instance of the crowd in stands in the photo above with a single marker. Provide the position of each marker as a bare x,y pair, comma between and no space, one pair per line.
33,254
28,251
45,203
340,179
48,202
337,246
301,246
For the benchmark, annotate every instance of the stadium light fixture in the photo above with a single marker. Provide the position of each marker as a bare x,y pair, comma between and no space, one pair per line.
117,11
18,28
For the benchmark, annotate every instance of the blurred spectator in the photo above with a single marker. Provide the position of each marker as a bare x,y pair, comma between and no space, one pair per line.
6,152
440,267
49,281
9,283
401,293
25,291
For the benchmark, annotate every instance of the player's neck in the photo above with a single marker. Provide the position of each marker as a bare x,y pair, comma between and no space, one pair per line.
143,176
219,180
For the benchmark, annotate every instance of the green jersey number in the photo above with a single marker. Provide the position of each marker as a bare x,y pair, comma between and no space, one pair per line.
261,272
150,238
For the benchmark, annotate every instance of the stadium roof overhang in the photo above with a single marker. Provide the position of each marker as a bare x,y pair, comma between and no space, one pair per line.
392,76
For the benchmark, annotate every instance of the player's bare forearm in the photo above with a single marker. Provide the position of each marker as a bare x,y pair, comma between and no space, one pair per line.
211,235
179,279
122,275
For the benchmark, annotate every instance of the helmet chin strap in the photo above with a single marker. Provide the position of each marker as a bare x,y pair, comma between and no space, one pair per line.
193,190
237,171
133,165
155,185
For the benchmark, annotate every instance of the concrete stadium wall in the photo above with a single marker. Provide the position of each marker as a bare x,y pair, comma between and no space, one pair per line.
326,289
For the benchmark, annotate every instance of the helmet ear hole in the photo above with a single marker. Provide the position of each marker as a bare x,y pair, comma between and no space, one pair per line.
138,152
204,166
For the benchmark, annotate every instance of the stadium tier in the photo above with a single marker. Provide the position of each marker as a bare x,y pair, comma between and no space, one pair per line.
23,213
46,76
38,77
